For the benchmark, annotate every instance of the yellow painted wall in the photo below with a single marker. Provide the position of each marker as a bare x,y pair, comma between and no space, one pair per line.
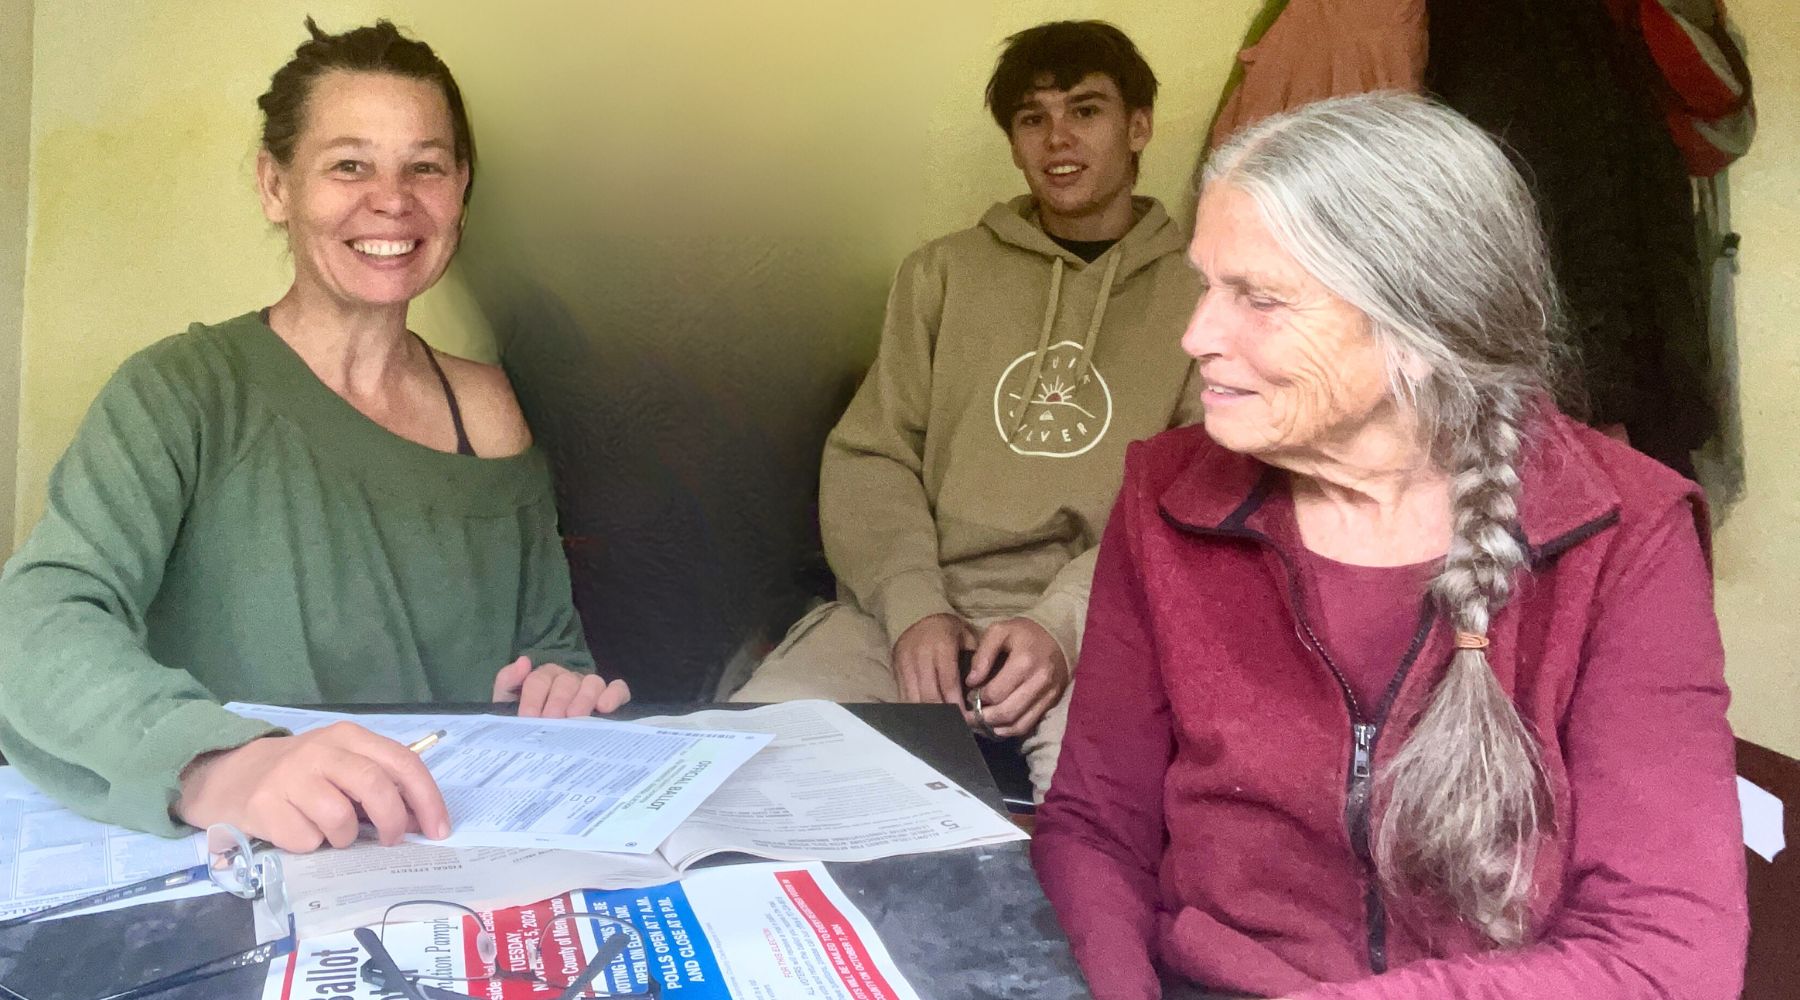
15,146
861,116
865,118
1757,550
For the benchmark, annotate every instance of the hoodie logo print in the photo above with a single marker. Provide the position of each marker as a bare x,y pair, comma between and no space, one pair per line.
1063,415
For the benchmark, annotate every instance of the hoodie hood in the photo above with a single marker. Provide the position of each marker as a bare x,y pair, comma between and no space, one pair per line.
1152,234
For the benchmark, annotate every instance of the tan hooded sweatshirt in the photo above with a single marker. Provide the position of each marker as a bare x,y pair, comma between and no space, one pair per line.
974,470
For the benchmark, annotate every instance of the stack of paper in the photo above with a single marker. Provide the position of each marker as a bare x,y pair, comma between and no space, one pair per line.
802,781
827,787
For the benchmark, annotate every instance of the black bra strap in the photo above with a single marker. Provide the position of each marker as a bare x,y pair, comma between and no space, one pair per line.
463,447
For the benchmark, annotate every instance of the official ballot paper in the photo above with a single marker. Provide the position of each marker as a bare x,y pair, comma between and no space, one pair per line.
50,855
584,784
828,788
752,932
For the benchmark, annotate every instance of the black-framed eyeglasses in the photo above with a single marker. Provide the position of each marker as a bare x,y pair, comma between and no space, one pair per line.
233,865
614,939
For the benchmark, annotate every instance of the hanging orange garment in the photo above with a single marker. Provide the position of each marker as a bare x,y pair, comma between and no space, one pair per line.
1326,48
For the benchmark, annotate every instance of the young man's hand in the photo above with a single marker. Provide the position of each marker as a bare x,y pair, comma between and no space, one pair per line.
301,792
556,692
1033,678
925,658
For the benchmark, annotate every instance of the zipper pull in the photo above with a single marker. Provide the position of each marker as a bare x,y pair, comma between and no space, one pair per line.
1365,749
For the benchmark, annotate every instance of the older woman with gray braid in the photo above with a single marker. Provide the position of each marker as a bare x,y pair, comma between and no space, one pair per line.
1398,683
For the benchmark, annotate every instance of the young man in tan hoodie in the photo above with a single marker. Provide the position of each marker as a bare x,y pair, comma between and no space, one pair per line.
963,494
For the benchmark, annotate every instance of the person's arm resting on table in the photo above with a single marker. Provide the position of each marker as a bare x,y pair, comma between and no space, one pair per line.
92,719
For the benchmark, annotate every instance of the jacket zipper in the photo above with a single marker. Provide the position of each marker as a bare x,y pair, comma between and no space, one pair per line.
1357,810
1364,734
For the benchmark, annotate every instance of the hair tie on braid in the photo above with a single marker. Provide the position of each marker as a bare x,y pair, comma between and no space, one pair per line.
1469,640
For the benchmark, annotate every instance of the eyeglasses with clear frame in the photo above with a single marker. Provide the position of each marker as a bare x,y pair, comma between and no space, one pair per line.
612,935
233,865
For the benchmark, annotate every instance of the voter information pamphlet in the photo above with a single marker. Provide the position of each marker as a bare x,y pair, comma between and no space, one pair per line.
754,932
787,930
581,784
50,855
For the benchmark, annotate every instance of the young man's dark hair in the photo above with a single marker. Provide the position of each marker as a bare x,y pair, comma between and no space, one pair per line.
1066,51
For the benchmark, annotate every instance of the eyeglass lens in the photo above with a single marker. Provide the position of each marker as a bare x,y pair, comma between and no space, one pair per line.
234,865
231,862
449,923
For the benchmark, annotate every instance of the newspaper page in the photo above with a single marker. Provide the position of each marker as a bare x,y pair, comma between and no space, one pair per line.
580,784
829,788
50,855
752,932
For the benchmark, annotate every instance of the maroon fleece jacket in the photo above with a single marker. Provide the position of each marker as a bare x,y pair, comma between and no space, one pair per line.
1213,801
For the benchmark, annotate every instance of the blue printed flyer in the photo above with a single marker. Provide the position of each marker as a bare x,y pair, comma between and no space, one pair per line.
765,931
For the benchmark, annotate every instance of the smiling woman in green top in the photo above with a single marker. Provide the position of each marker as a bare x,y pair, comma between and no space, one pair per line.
302,505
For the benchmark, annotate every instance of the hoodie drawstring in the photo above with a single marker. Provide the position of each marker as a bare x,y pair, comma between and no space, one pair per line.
1043,346
1087,344
1085,361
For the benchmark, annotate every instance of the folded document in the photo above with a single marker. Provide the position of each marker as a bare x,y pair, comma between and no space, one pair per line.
829,788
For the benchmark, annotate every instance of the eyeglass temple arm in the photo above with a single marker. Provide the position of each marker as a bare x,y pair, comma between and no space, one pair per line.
609,949
149,885
392,980
262,954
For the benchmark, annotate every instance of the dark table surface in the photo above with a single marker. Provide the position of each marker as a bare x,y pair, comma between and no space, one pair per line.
969,923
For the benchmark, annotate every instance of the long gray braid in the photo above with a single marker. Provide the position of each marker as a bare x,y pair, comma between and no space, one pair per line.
1464,793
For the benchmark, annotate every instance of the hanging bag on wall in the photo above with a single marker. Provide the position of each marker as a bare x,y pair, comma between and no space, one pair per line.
1705,90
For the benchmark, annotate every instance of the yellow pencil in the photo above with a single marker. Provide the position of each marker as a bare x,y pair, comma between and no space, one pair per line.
425,742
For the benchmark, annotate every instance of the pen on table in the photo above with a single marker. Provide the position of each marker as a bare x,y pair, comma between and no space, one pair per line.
425,742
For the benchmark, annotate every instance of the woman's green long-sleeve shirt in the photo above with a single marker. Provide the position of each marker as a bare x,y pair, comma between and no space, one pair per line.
225,526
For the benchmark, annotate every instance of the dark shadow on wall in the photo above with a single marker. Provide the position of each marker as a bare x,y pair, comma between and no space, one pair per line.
686,479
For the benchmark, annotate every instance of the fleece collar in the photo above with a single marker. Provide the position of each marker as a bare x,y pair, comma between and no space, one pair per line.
1566,499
